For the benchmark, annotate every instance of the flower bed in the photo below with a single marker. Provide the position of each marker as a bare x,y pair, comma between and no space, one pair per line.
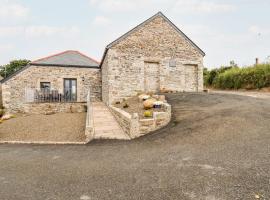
134,122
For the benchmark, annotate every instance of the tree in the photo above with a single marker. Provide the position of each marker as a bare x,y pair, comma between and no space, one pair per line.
267,60
233,64
13,66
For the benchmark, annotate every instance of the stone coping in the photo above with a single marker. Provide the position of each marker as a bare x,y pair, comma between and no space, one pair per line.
56,102
42,142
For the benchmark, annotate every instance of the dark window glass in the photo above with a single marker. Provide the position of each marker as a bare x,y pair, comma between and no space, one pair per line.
45,86
70,89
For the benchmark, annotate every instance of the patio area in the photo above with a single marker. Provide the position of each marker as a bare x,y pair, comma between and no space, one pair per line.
59,127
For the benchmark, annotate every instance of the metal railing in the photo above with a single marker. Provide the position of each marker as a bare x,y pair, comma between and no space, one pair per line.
89,128
49,95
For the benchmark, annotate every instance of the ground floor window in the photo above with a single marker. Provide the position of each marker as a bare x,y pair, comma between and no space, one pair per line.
45,86
70,89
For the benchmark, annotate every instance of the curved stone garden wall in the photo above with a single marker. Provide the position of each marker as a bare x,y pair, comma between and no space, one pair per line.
135,127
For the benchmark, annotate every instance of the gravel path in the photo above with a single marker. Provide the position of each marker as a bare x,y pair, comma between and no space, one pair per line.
217,147
255,94
60,127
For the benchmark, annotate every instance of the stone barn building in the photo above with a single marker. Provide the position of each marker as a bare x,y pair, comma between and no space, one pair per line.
154,56
58,83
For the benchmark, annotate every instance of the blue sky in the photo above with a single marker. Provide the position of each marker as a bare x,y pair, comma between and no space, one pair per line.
226,30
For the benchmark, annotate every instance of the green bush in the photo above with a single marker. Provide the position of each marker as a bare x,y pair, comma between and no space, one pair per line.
2,112
148,114
210,76
255,77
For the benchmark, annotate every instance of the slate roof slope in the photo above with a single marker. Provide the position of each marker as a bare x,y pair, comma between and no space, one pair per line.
67,58
141,25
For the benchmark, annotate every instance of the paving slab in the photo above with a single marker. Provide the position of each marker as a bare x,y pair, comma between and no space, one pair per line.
105,125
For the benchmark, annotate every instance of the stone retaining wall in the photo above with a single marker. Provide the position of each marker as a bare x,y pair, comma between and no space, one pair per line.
48,108
135,127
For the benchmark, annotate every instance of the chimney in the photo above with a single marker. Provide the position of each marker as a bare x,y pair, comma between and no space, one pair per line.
256,61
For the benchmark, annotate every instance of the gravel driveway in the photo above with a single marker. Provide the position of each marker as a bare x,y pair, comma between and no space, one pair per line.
217,147
59,127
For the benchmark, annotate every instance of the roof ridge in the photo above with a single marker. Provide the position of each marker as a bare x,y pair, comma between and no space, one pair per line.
148,20
87,57
63,52
144,22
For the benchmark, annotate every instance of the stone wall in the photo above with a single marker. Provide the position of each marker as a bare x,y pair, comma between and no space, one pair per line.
135,127
156,42
13,90
1,101
50,108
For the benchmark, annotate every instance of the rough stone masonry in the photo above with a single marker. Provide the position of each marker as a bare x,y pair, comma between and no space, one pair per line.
152,57
14,88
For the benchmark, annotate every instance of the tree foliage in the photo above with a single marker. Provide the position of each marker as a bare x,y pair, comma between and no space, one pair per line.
253,77
13,66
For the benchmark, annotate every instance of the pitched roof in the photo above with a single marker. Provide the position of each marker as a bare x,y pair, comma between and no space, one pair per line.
67,58
159,14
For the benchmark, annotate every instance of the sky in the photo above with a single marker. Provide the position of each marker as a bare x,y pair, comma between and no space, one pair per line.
228,30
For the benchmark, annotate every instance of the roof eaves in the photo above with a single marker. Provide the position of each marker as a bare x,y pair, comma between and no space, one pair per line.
182,33
61,53
14,73
65,65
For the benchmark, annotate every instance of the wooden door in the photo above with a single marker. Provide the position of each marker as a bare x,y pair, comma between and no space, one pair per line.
191,78
151,77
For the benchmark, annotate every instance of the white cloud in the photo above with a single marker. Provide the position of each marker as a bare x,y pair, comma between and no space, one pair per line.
101,21
115,5
12,10
37,31
181,6
259,30
6,47
196,6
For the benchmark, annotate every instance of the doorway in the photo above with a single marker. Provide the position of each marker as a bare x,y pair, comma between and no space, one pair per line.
70,89
151,77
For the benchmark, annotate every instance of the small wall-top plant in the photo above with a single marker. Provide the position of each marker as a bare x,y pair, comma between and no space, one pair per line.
148,113
2,112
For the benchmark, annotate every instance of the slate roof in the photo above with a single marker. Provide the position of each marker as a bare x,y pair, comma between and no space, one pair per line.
142,24
67,58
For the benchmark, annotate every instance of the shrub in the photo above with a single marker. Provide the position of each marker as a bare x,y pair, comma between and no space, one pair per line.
2,112
255,77
125,105
148,114
210,76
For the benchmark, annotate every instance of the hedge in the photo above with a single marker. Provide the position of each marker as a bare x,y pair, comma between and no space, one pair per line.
254,77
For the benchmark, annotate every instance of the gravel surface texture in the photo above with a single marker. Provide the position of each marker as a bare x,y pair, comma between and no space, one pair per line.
217,147
60,127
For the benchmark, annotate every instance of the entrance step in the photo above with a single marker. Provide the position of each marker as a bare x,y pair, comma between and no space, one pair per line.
105,125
